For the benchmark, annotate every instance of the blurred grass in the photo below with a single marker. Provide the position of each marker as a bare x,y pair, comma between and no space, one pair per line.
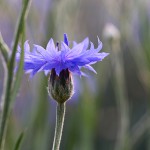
10,90
92,118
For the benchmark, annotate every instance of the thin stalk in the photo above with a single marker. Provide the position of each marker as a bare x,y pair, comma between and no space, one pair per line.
123,142
61,107
4,49
19,73
7,95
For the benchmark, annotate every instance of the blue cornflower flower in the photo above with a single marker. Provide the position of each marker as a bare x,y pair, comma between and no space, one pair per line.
62,57
61,61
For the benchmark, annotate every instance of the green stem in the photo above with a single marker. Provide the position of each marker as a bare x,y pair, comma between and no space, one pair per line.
59,125
18,33
19,73
9,78
123,142
4,49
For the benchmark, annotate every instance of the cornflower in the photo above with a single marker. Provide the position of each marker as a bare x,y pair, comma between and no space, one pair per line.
61,62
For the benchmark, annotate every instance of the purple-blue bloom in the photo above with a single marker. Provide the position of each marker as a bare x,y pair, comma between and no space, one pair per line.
61,57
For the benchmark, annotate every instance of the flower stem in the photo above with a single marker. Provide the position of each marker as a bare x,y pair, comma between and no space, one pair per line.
123,141
59,125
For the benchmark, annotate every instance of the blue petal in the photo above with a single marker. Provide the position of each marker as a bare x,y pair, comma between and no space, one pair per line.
34,72
90,68
64,47
79,56
92,46
86,43
59,67
18,48
37,69
100,45
75,69
66,39
74,43
41,51
51,48
102,55
84,74
49,66
28,65
34,52
75,51
80,61
26,46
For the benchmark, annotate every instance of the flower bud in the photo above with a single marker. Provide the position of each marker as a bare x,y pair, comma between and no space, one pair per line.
60,87
111,32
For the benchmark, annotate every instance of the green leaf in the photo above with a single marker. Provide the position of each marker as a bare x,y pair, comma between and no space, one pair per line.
19,140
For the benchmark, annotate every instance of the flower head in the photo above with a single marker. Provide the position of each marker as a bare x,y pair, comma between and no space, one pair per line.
62,57
61,61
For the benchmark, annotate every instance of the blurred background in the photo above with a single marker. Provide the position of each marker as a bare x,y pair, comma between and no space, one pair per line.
110,110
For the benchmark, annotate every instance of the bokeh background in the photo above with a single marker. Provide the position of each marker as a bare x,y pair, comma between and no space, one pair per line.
110,110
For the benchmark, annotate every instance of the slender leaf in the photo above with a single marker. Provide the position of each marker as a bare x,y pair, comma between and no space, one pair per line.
19,140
